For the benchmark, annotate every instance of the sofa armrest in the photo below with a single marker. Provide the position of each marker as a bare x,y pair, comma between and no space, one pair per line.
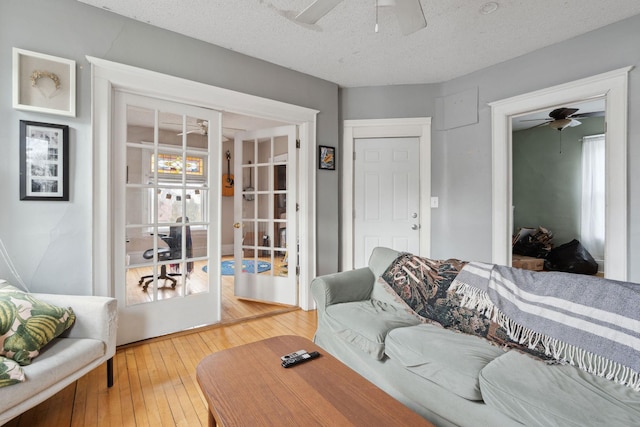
96,317
346,286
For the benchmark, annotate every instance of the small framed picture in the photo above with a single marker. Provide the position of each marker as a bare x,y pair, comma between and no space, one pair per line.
44,161
44,83
327,158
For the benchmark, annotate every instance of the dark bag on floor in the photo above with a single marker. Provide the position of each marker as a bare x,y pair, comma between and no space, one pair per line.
571,257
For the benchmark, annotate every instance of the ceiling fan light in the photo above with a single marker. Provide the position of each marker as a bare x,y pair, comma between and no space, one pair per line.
560,124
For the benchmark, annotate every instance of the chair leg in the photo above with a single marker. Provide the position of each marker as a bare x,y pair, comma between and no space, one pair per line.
110,373
174,282
163,275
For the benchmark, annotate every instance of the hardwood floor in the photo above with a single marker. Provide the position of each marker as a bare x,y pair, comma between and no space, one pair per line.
233,309
155,381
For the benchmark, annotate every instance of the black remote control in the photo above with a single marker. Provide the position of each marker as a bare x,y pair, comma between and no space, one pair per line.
299,359
294,354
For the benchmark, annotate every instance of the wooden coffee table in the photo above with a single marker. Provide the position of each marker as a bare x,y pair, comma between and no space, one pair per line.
247,386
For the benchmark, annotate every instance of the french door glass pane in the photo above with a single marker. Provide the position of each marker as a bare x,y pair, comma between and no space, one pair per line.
167,162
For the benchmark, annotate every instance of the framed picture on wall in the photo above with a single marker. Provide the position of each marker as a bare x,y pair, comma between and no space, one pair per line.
44,83
327,157
44,161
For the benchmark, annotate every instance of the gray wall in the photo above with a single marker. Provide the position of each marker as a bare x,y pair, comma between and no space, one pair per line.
461,157
50,242
547,178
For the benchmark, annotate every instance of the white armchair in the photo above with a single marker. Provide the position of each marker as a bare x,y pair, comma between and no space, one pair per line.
90,342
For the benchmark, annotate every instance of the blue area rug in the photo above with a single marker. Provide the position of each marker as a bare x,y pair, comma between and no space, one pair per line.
248,266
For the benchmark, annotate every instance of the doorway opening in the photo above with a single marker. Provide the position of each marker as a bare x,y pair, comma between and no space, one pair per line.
108,260
557,173
611,86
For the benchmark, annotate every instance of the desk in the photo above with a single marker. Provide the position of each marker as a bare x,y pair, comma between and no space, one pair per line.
247,386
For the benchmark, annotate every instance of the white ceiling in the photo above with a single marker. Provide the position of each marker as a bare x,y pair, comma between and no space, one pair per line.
343,48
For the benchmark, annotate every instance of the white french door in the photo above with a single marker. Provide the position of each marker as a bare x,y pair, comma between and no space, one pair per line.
265,217
166,163
386,196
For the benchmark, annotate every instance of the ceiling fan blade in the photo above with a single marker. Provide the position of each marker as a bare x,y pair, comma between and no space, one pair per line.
585,115
575,123
537,126
410,16
191,131
535,120
316,10
562,113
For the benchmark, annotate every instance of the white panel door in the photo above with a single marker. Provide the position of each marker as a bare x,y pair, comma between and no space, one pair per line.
386,196
265,201
166,235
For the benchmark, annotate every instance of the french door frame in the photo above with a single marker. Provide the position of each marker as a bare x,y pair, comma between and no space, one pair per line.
420,128
108,76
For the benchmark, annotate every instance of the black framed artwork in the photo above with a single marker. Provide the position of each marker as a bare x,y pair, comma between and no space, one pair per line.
44,161
327,157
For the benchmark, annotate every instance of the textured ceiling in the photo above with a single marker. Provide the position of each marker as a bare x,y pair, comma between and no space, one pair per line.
343,48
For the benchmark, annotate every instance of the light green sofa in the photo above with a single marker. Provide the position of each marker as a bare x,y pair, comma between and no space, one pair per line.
89,343
448,377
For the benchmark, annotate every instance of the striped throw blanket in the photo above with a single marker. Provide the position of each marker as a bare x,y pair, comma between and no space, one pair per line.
589,322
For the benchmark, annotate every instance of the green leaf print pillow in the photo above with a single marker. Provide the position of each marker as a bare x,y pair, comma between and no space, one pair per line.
10,372
28,324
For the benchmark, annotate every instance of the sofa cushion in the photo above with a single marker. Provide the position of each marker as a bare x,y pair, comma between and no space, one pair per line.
10,372
450,359
538,394
28,324
63,357
365,324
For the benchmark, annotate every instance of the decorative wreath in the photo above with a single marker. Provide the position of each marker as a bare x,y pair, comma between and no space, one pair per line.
37,75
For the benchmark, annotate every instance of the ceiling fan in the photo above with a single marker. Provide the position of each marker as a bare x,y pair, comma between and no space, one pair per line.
409,13
202,127
564,117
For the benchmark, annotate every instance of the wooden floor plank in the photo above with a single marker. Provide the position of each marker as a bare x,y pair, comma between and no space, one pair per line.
153,389
139,407
174,365
120,394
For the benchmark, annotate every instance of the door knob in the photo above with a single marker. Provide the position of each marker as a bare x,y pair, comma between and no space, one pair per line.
236,225
415,226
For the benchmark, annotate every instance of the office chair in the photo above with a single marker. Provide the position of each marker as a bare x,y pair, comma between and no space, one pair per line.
174,251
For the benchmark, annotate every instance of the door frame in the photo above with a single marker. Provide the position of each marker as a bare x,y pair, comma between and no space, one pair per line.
614,88
108,75
417,127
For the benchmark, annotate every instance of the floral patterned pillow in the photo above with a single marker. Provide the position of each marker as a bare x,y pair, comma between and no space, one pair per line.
423,284
28,324
10,372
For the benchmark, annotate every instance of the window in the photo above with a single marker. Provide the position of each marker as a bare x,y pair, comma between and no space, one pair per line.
592,225
173,200
172,164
